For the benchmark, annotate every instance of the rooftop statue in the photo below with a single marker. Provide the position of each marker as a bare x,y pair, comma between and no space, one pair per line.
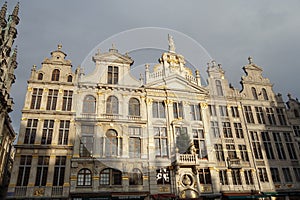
171,44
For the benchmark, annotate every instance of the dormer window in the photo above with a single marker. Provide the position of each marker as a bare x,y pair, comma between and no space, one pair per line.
112,75
70,78
40,76
55,75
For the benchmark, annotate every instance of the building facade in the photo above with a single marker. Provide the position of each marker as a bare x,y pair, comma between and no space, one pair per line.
8,64
107,135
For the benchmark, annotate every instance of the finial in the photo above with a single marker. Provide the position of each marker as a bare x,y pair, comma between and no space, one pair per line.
59,46
16,10
250,59
113,48
171,44
3,10
289,96
147,66
213,62
98,52
33,67
220,65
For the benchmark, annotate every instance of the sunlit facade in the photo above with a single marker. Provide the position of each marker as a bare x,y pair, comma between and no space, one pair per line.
107,135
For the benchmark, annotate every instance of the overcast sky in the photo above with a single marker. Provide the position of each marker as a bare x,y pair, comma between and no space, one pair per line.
228,31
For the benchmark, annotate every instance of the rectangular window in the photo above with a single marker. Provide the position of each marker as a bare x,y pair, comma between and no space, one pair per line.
244,153
158,109
235,111
30,131
290,146
59,171
297,174
263,176
63,136
238,130
163,176
67,100
135,142
297,131
112,75
47,132
287,175
214,128
268,145
275,175
249,114
86,146
42,171
231,151
248,177
260,115
161,141
212,110
271,116
199,143
281,117
279,146
223,177
219,152
256,145
24,170
36,98
178,110
195,112
236,177
52,99
223,111
227,130
204,176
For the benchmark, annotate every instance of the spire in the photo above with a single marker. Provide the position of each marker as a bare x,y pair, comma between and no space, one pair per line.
15,13
16,10
3,11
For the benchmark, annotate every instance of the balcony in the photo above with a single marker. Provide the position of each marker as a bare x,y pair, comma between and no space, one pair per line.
57,191
20,191
234,163
186,159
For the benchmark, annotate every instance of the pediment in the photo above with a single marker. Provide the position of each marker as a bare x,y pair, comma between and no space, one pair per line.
113,57
253,67
178,83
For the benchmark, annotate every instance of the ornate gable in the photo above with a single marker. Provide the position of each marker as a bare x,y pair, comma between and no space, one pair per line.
112,56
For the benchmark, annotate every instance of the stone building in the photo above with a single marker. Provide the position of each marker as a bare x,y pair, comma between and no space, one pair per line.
8,56
107,135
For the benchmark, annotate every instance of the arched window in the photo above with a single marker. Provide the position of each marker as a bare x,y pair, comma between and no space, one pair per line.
134,107
254,93
110,176
136,177
55,75
89,104
40,76
219,88
112,143
70,78
265,95
84,177
112,105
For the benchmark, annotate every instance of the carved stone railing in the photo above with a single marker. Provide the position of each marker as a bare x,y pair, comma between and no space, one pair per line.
191,78
135,118
110,116
156,75
57,191
20,191
186,159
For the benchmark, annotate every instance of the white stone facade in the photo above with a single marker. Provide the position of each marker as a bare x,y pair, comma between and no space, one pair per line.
106,135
